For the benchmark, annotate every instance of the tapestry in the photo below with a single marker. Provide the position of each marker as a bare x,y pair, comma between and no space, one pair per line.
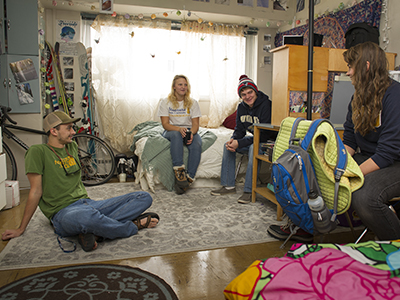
333,27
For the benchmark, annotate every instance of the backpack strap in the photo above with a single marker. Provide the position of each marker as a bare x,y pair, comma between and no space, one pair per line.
293,132
341,161
340,168
306,142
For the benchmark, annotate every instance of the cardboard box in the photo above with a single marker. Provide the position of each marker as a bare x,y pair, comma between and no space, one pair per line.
2,195
12,194
3,177
3,172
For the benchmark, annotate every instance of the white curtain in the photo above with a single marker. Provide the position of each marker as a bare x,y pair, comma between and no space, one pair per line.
133,69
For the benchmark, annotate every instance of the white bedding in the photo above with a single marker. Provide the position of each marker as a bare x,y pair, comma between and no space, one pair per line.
209,168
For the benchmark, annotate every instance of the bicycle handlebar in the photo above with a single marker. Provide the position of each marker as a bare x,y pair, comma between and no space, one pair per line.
4,111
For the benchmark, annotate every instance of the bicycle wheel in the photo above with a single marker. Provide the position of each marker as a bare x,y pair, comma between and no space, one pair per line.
96,158
11,165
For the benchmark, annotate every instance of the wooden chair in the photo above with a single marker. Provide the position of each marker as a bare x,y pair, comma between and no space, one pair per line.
242,155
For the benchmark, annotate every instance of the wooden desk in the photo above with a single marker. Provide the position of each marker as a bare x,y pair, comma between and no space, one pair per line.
265,191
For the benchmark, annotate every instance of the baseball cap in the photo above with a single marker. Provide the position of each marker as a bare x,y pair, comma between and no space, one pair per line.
57,118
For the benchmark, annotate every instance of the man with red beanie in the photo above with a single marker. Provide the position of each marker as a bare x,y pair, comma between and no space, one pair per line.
254,108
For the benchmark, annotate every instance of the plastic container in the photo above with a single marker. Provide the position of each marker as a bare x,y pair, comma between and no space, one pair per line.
122,166
320,213
122,177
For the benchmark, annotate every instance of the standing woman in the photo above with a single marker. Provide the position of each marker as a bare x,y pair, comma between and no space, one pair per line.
372,137
180,117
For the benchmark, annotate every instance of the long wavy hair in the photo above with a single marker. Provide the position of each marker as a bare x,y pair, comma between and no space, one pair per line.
187,101
370,84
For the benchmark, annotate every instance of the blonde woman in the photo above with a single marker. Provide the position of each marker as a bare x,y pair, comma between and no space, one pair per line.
180,117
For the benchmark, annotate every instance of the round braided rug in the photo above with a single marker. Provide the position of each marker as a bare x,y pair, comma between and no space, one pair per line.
90,282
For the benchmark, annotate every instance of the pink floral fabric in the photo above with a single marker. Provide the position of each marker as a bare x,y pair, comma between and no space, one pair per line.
327,274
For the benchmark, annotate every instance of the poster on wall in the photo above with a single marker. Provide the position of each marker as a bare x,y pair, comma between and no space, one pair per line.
106,6
68,31
68,34
23,71
280,5
262,3
245,2
299,5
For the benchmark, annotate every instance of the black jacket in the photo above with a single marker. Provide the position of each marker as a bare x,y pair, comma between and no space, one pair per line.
247,116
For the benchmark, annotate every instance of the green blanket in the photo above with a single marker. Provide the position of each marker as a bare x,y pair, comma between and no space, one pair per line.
156,156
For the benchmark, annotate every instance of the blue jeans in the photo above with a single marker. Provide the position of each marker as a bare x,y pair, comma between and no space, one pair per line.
110,218
371,202
228,168
176,149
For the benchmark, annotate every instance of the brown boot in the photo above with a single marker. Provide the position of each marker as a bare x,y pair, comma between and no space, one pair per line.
180,177
190,180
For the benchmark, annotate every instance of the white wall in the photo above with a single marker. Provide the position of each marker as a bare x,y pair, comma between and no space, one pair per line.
264,71
393,33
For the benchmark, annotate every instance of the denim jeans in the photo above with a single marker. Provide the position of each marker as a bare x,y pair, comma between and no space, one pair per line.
110,218
228,168
194,148
371,201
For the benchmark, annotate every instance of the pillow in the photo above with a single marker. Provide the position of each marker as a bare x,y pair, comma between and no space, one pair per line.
230,121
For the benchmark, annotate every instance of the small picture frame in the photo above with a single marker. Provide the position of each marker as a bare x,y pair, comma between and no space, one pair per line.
106,6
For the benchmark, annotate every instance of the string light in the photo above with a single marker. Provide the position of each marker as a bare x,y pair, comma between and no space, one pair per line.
251,21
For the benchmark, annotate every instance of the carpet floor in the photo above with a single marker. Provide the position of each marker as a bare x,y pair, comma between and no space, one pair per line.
103,282
193,221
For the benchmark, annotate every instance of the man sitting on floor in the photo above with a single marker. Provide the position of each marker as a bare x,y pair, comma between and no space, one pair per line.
255,108
54,175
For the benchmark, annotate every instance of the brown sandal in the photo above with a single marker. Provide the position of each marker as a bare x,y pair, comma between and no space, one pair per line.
147,216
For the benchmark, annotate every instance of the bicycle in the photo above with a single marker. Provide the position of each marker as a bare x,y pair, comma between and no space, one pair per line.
95,156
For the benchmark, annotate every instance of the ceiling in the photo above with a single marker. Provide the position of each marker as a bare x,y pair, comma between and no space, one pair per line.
134,10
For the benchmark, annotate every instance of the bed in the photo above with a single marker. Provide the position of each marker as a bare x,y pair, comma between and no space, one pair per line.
155,164
367,270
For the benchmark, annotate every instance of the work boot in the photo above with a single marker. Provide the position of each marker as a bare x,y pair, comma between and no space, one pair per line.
282,233
223,191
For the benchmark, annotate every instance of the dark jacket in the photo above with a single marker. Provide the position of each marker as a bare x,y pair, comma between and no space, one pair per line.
383,144
246,116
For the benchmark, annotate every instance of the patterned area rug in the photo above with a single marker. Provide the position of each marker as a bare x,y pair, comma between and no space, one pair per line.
90,282
193,221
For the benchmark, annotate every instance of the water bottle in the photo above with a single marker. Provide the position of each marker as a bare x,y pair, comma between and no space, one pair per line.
320,213
122,170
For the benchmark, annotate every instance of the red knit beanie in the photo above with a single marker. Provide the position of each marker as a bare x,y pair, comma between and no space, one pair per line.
245,81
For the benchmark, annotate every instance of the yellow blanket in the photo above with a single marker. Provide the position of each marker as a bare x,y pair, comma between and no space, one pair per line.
323,153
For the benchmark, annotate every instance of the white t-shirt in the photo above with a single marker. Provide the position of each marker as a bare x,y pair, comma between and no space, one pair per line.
180,116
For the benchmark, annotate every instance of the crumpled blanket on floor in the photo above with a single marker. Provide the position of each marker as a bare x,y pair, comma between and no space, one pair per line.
156,155
321,271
